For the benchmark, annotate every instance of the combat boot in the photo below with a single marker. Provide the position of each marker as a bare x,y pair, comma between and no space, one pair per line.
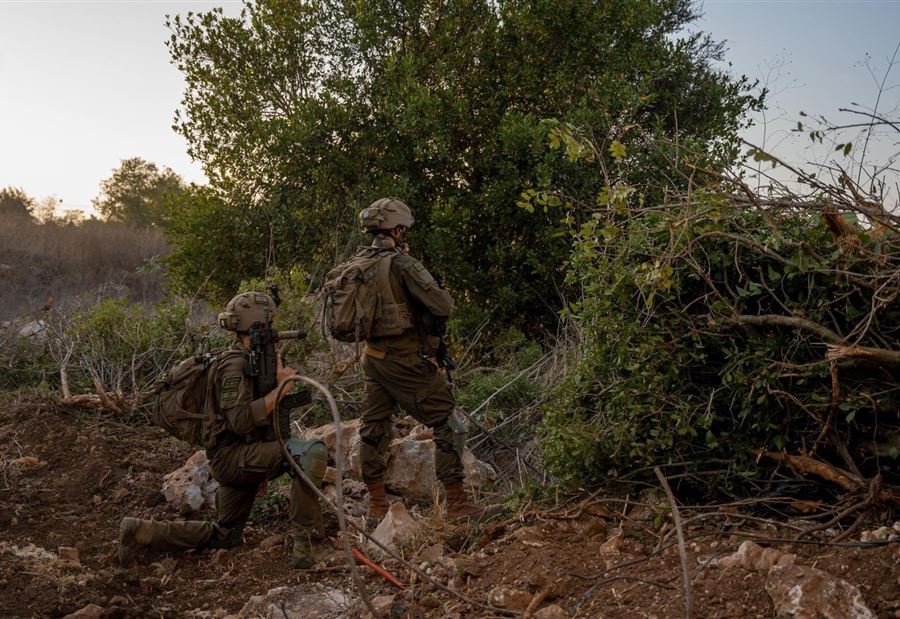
134,534
304,555
378,502
461,509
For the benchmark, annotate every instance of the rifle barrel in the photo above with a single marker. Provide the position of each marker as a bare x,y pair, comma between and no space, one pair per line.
291,335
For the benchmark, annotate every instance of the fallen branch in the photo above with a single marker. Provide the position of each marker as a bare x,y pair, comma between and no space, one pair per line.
804,464
682,550
837,348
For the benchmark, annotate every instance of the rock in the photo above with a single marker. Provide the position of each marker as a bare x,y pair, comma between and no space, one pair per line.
410,470
410,465
191,488
612,545
307,601
471,566
382,605
121,494
554,611
29,553
808,593
349,442
36,329
507,597
432,554
69,556
395,529
28,462
751,556
271,543
592,528
429,601
91,611
879,535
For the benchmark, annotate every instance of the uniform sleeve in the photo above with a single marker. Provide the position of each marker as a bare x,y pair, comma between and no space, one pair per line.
423,287
235,395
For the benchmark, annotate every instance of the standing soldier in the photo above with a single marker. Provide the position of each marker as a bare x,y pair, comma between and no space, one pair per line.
400,368
243,453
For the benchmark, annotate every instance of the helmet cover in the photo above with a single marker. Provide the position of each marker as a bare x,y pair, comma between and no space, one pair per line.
386,214
245,309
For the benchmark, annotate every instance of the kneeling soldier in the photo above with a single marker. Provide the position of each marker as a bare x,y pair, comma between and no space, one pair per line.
243,453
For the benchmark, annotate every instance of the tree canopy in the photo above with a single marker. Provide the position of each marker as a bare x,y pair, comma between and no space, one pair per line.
302,113
136,193
14,201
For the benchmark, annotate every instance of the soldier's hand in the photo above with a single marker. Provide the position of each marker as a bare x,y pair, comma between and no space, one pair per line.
281,372
404,249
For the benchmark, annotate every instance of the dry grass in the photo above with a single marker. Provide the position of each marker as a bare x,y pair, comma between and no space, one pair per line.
39,262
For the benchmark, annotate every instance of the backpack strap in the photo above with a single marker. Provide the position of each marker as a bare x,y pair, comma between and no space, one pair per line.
210,404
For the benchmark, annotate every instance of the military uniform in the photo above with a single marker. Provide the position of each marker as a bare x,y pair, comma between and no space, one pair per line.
243,453
398,370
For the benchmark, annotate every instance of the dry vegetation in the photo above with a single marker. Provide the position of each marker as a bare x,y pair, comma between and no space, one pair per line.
40,262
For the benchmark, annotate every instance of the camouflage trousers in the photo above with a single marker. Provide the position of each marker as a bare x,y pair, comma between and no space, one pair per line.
421,391
239,469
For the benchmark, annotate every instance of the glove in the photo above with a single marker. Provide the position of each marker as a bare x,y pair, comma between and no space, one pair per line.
443,357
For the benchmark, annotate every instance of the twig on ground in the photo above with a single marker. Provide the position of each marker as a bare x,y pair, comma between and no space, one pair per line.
682,550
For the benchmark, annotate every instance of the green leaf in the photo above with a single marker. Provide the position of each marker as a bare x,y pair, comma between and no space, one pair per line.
617,150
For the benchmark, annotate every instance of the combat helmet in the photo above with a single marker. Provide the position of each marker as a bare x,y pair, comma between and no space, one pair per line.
385,214
245,309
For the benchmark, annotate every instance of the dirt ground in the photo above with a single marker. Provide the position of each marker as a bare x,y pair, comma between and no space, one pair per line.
67,479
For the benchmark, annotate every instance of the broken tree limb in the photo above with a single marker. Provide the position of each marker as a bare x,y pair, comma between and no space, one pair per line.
837,349
792,322
682,550
804,464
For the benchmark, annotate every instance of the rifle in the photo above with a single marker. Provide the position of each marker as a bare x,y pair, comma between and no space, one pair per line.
444,360
262,367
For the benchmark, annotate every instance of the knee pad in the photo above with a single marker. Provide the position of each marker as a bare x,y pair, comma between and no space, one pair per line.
311,455
458,432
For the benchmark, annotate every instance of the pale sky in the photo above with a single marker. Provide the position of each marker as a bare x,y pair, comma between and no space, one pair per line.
84,85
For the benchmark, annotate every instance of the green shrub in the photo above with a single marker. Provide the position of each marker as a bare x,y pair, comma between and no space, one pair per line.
25,363
501,376
297,310
126,345
667,372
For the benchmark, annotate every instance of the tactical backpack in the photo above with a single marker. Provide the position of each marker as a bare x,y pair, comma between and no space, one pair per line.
183,402
360,301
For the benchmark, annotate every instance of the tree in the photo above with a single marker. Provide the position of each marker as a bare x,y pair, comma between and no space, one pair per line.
312,110
14,201
137,192
45,209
